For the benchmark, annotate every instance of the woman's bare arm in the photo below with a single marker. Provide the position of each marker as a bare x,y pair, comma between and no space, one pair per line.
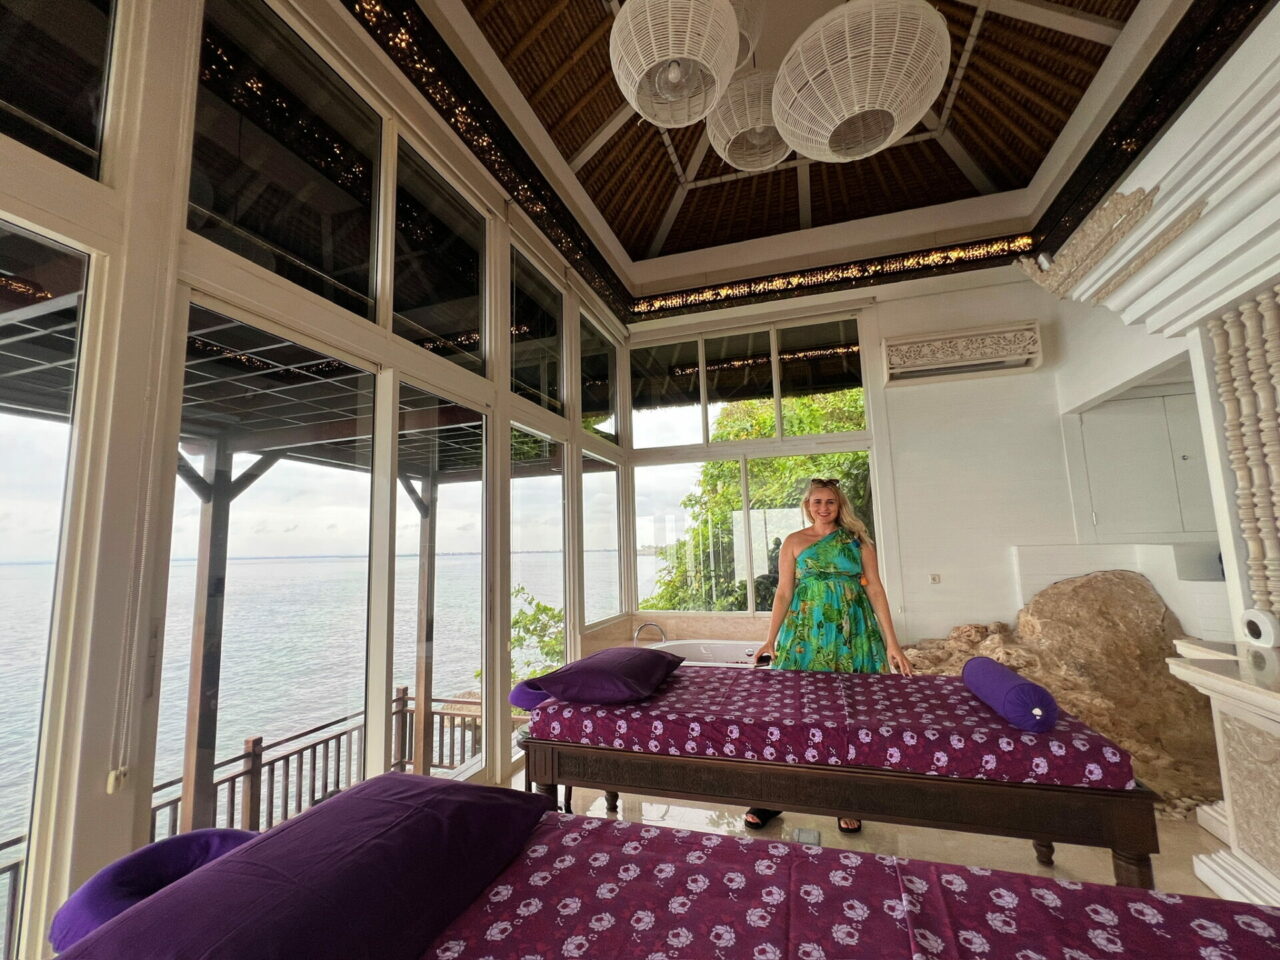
880,604
782,595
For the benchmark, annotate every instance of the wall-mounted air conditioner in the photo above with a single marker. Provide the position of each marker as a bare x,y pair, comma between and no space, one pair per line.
956,354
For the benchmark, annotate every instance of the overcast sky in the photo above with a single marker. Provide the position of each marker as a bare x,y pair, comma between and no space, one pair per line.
299,509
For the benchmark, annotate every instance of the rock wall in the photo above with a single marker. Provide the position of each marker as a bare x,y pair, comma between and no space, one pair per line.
1098,643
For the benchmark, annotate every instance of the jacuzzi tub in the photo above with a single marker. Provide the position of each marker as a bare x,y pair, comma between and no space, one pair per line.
711,651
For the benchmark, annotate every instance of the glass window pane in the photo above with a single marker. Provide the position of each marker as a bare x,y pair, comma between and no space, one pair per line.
666,400
821,372
599,361
439,265
600,578
537,555
41,290
439,583
53,76
276,443
284,166
740,386
688,532
777,485
536,309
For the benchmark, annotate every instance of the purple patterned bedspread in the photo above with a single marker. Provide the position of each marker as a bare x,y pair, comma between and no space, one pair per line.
924,724
597,888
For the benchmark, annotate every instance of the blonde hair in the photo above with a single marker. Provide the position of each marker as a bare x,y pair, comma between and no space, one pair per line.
846,519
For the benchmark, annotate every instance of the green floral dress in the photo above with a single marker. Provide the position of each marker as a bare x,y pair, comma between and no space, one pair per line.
830,624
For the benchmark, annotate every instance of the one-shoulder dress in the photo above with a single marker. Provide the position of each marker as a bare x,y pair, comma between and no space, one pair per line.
830,624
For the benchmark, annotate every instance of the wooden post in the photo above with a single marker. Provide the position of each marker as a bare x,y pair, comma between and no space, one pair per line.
423,714
400,730
251,785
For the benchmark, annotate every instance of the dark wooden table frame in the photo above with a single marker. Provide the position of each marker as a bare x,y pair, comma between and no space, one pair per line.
1121,820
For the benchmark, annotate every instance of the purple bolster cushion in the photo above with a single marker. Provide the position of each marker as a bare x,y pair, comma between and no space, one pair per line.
1026,705
120,885
375,873
615,675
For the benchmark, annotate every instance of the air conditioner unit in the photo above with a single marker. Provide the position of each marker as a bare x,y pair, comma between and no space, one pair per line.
957,354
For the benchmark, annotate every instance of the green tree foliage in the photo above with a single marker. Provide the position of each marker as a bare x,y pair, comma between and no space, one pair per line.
537,636
697,571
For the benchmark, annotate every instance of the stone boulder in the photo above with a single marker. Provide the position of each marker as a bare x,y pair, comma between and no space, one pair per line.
1099,643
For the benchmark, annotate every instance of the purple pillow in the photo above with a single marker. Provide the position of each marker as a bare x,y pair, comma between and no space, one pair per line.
1026,705
615,675
375,873
116,887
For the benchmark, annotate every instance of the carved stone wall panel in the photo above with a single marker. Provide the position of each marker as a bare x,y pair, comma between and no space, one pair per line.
1021,342
1149,252
1251,761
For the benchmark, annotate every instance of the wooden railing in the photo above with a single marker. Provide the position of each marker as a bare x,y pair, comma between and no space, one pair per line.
270,782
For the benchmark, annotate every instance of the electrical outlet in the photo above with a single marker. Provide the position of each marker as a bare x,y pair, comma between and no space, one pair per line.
935,578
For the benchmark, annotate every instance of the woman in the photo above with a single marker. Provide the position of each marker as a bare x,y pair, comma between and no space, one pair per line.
830,612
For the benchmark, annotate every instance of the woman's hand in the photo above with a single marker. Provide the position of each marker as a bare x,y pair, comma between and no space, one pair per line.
899,660
766,651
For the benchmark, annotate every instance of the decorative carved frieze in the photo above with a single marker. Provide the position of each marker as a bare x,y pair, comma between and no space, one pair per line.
1014,347
1150,250
1096,237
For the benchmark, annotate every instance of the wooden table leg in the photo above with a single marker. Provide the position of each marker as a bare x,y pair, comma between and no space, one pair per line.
1044,852
549,790
611,801
568,799
1132,869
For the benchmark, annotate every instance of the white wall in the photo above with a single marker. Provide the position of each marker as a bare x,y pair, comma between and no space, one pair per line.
1099,356
975,467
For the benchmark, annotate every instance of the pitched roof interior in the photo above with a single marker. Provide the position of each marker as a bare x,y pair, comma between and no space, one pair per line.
1019,88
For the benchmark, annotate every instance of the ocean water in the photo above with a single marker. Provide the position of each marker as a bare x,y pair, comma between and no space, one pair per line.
293,652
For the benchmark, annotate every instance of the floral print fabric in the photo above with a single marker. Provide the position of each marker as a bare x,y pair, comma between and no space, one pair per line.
830,624
923,724
593,888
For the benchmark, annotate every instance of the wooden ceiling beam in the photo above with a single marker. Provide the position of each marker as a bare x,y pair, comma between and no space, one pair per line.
620,143
989,72
580,104
571,61
483,9
803,195
534,32
1012,40
603,135
961,157
1055,16
1017,117
668,220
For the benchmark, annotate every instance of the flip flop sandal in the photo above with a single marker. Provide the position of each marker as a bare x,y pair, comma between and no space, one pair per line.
843,829
762,816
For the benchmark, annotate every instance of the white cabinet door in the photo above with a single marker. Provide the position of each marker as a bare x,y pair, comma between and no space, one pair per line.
1131,475
1189,467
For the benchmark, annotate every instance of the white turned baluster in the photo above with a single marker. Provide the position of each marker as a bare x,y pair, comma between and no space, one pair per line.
1231,366
1267,408
1262,444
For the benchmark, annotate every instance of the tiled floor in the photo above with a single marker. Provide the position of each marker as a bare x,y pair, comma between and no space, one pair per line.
1179,840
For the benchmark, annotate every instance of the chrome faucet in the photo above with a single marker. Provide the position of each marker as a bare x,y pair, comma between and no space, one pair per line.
635,637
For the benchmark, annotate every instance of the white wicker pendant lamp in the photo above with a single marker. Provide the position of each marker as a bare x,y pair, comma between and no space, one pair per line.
741,127
750,14
860,78
673,59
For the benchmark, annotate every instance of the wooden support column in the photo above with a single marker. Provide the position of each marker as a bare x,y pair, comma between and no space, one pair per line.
423,712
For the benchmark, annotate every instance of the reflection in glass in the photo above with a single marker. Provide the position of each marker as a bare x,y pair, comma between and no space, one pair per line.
283,170
439,584
536,308
666,400
777,485
53,76
821,373
276,443
41,291
740,386
439,265
689,536
599,361
600,576
537,555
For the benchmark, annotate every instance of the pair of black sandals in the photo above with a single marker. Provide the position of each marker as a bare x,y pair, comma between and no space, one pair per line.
763,816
